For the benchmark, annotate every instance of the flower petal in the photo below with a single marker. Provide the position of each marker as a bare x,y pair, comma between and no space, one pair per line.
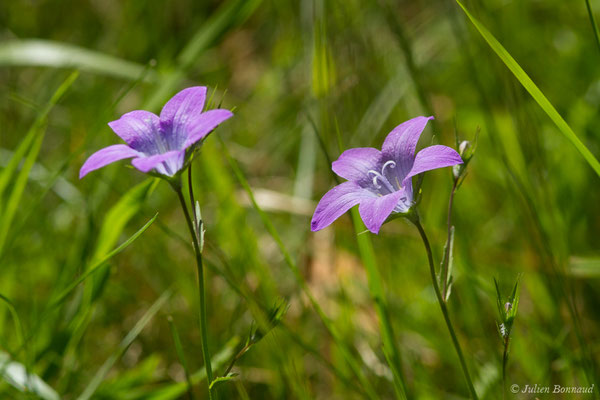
166,163
106,156
199,127
375,211
336,202
182,108
139,129
354,164
433,157
401,142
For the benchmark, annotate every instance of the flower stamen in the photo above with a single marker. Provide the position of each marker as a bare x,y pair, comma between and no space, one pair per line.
382,179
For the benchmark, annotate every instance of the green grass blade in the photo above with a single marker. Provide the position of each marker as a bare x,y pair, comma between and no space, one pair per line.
119,215
36,134
181,355
16,319
124,345
11,167
229,14
47,53
593,22
98,264
14,200
533,90
176,390
375,282
354,365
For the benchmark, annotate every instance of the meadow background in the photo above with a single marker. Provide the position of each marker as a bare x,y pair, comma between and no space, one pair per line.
297,74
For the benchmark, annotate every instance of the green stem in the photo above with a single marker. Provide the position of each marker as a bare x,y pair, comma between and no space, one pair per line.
504,362
201,291
440,299
593,22
446,260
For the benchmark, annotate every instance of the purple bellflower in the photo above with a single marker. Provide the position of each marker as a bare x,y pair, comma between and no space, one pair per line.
380,182
163,144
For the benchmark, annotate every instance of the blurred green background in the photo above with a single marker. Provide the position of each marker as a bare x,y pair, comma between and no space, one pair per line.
297,73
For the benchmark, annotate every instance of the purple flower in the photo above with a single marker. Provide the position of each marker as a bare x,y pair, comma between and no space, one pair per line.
380,181
161,143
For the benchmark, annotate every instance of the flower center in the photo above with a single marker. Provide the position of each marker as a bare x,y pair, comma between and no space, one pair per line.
379,178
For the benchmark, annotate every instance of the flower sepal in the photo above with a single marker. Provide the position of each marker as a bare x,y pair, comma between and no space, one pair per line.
410,215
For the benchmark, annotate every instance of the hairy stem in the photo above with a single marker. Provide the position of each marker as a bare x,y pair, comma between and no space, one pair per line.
440,299
201,291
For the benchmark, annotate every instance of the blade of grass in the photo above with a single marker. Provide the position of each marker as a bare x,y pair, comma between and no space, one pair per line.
120,214
113,224
181,355
176,390
47,53
123,346
36,133
16,319
354,365
534,91
375,283
593,22
100,263
229,14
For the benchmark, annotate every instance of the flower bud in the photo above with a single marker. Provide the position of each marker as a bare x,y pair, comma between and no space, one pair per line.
465,149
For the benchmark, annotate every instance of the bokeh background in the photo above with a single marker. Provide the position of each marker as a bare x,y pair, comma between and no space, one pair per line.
298,74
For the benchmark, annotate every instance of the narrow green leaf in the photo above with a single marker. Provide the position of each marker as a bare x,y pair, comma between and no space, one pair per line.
534,91
11,167
447,265
584,267
125,343
180,354
47,53
593,22
176,390
354,365
229,14
499,302
35,135
98,264
120,214
375,283
119,386
16,319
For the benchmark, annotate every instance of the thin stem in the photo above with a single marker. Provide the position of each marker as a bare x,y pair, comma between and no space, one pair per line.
192,200
438,294
593,22
444,272
201,292
237,357
504,362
